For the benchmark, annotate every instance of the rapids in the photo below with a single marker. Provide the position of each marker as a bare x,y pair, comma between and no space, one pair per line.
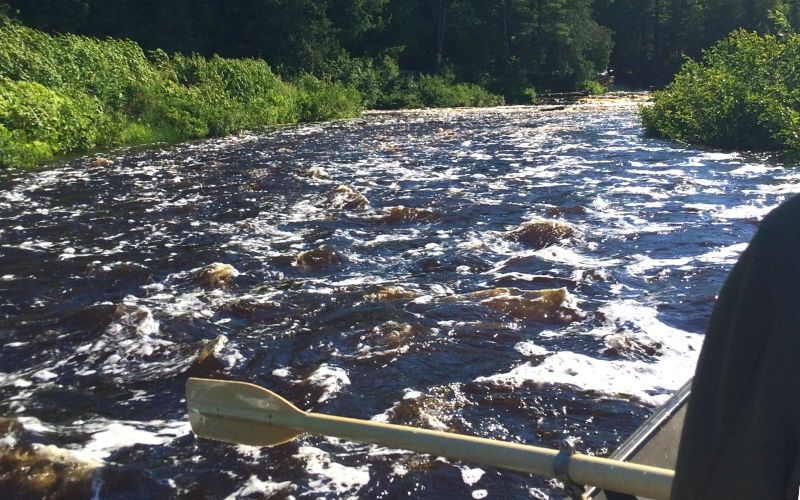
517,273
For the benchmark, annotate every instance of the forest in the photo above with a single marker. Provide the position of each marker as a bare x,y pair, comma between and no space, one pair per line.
78,75
507,46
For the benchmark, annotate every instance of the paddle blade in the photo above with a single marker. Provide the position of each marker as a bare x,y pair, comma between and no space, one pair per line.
238,412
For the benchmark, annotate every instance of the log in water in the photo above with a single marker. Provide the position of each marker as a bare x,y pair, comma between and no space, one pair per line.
511,273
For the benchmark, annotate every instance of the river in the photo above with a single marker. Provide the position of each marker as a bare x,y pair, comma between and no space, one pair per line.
390,267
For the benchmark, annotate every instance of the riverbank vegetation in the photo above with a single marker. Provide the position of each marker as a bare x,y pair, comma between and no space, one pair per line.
194,68
71,93
60,94
744,94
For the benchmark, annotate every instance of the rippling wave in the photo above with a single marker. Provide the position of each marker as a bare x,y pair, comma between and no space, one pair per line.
514,273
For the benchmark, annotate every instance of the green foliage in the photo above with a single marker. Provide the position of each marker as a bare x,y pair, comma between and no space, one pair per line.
651,37
435,91
745,94
381,85
503,45
36,122
322,100
218,96
60,94
531,95
592,87
438,91
371,77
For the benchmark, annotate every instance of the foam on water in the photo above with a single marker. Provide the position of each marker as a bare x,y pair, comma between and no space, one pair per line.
529,348
109,436
105,315
264,489
723,255
651,381
331,379
470,476
748,211
328,477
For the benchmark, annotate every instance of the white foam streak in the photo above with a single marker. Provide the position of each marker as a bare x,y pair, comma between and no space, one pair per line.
116,435
264,489
326,477
747,211
331,379
651,381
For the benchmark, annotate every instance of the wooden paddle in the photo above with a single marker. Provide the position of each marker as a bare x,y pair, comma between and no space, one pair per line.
238,412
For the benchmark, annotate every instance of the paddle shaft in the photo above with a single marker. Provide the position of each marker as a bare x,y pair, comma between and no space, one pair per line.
623,477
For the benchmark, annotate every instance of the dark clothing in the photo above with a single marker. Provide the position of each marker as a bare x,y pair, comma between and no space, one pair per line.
741,436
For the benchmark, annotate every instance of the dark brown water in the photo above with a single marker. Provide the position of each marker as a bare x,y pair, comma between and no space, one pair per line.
412,295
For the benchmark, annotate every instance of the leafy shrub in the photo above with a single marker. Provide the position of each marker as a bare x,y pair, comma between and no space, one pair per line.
71,93
38,122
437,91
369,76
381,85
745,94
102,69
592,87
531,95
322,100
67,93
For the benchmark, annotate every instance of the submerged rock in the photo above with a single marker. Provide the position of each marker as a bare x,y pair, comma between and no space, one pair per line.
626,346
540,234
45,472
39,471
216,275
102,162
438,409
259,310
555,305
346,198
400,213
562,211
207,359
552,305
317,258
391,293
318,173
392,335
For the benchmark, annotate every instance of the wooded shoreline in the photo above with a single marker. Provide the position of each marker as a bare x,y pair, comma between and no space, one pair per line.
68,93
64,93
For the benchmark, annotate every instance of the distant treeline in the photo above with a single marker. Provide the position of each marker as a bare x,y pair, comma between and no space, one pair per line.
506,46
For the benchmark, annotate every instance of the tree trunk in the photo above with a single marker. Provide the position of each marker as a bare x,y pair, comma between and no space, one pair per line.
441,27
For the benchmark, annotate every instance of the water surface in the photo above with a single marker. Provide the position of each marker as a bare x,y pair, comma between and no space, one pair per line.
103,312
